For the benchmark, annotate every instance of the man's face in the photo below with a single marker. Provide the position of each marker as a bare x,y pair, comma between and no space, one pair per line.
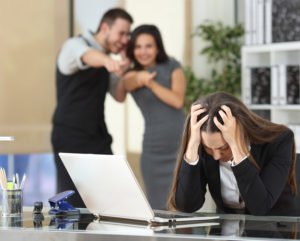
117,35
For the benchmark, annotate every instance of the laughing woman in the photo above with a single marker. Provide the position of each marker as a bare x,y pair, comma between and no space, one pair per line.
157,84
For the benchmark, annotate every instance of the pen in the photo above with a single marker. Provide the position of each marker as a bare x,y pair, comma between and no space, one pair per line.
11,185
3,178
17,180
23,181
14,182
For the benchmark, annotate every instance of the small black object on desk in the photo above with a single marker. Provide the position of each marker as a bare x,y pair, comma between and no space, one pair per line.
37,215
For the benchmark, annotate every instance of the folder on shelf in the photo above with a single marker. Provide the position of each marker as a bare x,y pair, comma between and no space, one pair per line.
248,22
260,28
275,85
282,84
268,21
292,84
261,85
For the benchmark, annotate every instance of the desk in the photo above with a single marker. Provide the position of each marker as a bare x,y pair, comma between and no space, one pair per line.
230,227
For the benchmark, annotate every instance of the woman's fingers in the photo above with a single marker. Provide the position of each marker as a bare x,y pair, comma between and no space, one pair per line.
227,111
229,126
196,110
226,114
196,107
227,117
223,116
195,123
218,124
201,121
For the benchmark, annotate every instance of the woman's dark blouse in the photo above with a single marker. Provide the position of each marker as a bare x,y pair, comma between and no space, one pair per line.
265,191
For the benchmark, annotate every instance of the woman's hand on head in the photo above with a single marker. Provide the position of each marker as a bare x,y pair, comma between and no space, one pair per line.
197,110
195,125
229,128
232,134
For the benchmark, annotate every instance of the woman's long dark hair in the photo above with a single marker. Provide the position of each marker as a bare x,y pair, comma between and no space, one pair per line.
254,129
153,31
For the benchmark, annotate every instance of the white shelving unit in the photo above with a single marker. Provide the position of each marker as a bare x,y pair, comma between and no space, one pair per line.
271,55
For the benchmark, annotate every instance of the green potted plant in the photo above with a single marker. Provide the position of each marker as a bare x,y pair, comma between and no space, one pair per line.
223,51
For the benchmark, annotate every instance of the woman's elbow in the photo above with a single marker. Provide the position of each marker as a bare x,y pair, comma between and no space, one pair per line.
188,209
178,104
185,204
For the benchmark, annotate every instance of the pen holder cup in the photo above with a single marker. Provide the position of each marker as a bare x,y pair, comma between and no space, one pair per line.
12,203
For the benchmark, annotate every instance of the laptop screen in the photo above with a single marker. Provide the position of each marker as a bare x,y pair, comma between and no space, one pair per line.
107,185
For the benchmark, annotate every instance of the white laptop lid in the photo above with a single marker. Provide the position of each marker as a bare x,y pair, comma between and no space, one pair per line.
107,186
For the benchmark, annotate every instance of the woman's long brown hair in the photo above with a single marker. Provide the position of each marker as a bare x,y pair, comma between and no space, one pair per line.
254,129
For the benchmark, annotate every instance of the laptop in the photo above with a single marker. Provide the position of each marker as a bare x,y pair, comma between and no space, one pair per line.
110,191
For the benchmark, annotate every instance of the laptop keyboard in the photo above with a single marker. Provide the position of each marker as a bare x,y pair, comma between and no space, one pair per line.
170,215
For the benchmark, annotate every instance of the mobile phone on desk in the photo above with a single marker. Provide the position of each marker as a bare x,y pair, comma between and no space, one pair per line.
7,138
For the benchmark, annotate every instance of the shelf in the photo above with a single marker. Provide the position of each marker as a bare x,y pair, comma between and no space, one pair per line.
288,46
277,57
274,107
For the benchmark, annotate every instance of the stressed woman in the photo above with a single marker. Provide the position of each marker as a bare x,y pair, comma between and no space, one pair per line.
247,162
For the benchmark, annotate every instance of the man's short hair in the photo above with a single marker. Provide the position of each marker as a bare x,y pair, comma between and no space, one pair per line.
112,15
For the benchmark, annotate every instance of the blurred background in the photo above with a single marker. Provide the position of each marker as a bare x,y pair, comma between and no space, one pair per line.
31,34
